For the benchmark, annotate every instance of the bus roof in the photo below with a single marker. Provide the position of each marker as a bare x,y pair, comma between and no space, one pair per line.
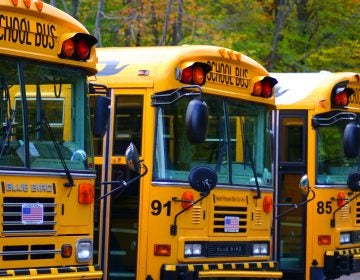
307,89
160,66
154,57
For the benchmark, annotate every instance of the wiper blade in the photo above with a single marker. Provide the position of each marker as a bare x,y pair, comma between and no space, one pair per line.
70,182
8,131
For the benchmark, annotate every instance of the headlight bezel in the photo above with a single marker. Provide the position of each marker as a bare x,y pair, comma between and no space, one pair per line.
84,250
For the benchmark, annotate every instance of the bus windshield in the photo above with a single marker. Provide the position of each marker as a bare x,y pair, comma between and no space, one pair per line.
237,145
332,165
43,121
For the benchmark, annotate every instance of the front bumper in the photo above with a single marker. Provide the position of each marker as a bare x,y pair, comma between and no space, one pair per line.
342,262
50,273
235,270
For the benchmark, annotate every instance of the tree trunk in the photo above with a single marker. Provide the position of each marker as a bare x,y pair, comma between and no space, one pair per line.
99,15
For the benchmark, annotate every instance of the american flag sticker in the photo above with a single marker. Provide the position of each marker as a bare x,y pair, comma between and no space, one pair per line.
32,213
231,224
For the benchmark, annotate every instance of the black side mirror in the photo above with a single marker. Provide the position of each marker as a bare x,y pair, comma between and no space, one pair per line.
101,116
351,140
202,179
196,123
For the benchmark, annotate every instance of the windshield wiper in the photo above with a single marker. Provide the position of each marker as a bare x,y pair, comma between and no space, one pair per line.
70,182
252,165
8,131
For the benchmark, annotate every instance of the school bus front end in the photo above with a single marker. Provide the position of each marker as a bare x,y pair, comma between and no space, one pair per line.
317,135
47,173
203,206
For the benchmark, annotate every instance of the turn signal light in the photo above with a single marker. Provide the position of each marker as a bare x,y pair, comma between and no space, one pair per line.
86,194
267,204
187,199
341,199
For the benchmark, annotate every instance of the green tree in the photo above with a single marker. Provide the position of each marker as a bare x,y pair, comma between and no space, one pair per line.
283,35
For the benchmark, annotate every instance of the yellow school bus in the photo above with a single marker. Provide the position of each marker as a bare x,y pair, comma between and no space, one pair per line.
47,169
316,123
201,205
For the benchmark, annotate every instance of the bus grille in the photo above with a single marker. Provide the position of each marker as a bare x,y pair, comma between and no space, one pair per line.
223,214
12,224
25,252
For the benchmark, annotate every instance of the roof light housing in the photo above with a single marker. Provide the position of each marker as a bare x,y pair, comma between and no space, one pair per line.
195,74
340,95
264,88
76,46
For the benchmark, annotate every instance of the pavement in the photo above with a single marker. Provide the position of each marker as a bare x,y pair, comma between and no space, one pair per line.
355,276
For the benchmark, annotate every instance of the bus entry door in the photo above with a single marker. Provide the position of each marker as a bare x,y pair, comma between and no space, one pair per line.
291,166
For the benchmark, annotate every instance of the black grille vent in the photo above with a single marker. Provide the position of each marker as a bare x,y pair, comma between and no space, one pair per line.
12,224
22,252
220,214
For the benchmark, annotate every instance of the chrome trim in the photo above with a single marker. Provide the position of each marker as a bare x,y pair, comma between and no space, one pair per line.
15,253
33,232
18,223
15,204
342,186
33,173
12,214
232,187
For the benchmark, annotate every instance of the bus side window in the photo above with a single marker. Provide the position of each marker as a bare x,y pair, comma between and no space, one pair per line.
127,123
292,140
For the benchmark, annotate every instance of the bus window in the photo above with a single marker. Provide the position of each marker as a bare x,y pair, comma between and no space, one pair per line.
292,137
127,123
332,165
241,134
250,143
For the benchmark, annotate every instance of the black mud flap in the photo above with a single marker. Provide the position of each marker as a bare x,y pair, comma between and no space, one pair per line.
178,274
337,265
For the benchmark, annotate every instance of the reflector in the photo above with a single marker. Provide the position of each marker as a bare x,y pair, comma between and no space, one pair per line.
162,250
324,239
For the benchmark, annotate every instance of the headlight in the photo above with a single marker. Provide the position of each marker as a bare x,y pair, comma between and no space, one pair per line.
345,238
260,249
84,250
192,250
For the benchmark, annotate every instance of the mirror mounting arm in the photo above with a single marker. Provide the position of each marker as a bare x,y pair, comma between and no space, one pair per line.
296,206
173,227
123,184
